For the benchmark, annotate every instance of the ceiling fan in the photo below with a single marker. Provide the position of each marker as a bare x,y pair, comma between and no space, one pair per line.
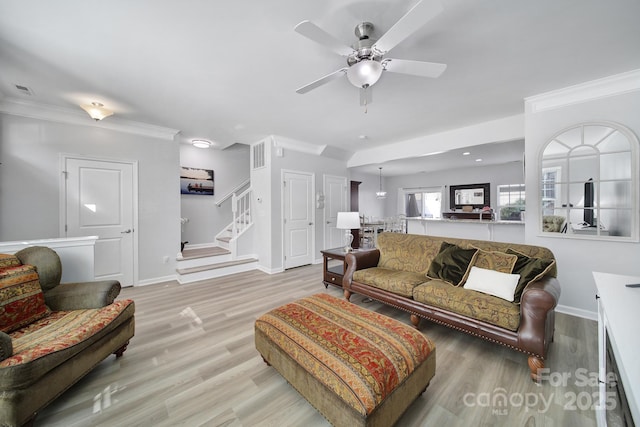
365,58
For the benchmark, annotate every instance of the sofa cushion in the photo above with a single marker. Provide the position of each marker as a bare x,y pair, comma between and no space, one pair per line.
530,269
407,252
494,260
452,264
492,282
46,343
21,298
476,305
396,281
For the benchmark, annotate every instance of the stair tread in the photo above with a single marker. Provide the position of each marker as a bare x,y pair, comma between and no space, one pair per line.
215,266
204,252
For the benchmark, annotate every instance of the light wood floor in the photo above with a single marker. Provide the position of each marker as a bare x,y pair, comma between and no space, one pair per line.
193,363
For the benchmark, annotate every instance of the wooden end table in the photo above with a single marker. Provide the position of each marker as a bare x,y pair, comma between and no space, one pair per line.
332,272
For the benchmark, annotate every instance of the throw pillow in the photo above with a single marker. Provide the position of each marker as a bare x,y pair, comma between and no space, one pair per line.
452,264
21,298
493,260
530,269
501,285
7,260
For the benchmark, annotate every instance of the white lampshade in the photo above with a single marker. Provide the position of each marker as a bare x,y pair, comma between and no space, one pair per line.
364,73
97,111
348,220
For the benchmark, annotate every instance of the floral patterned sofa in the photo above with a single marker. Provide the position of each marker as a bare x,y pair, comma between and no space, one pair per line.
502,292
52,334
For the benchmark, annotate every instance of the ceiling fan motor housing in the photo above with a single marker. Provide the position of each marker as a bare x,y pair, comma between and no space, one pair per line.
363,47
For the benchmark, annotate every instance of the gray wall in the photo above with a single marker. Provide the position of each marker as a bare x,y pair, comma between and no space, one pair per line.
578,258
368,204
230,168
30,183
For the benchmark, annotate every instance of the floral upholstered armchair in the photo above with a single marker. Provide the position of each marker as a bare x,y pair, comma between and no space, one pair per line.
52,333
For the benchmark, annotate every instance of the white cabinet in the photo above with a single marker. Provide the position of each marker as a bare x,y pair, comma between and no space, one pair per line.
618,321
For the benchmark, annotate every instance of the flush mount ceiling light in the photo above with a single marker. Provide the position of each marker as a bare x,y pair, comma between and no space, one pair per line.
381,194
201,143
97,111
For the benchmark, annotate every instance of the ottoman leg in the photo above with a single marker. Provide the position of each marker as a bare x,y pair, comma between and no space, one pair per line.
347,294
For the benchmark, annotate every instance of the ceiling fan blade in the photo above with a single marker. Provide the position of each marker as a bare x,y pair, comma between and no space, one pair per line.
318,35
410,22
366,96
416,68
322,80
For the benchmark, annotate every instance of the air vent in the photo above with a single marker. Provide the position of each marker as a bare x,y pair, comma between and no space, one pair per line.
258,156
23,90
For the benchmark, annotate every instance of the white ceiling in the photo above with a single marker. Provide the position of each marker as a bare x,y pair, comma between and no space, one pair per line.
227,70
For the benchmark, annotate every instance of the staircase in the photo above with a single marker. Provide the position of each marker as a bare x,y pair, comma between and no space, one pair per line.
222,258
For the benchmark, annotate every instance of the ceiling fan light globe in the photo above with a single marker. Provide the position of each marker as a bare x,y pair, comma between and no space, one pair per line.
364,73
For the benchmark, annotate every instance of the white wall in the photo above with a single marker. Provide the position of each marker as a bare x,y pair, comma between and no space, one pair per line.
30,176
230,168
578,258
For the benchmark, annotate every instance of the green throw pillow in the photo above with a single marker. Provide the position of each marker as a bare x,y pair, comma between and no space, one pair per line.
452,264
530,269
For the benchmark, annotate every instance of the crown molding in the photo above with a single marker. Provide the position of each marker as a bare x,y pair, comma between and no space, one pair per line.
295,145
608,86
34,110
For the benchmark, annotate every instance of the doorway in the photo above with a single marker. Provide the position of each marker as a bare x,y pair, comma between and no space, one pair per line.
100,199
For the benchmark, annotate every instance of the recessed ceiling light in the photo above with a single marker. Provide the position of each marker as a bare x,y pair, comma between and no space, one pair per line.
201,143
466,153
363,137
478,160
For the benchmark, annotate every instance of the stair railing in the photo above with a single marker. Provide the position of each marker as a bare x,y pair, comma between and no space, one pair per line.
241,208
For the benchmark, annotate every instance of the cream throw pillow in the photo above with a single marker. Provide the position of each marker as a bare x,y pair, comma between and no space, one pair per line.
501,285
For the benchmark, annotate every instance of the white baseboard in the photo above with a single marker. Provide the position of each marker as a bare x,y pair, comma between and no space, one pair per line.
270,270
586,314
157,280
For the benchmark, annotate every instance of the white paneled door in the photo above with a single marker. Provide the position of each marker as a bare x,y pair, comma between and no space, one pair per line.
99,201
335,192
298,219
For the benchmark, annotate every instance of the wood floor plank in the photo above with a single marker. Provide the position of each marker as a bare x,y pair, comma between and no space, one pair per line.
193,362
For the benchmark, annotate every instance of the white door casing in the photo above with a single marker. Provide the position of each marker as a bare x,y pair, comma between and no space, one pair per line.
298,218
335,190
100,200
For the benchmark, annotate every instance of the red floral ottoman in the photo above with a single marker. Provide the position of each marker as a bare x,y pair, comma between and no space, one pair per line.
355,366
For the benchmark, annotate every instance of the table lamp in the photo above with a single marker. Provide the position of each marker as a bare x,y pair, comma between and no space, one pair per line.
347,221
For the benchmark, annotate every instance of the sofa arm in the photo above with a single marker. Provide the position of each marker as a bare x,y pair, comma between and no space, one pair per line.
6,346
359,261
537,316
82,295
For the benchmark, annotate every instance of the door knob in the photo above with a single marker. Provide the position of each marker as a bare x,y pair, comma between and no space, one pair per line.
126,231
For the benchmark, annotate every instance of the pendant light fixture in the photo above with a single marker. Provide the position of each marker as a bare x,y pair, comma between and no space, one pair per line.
381,194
